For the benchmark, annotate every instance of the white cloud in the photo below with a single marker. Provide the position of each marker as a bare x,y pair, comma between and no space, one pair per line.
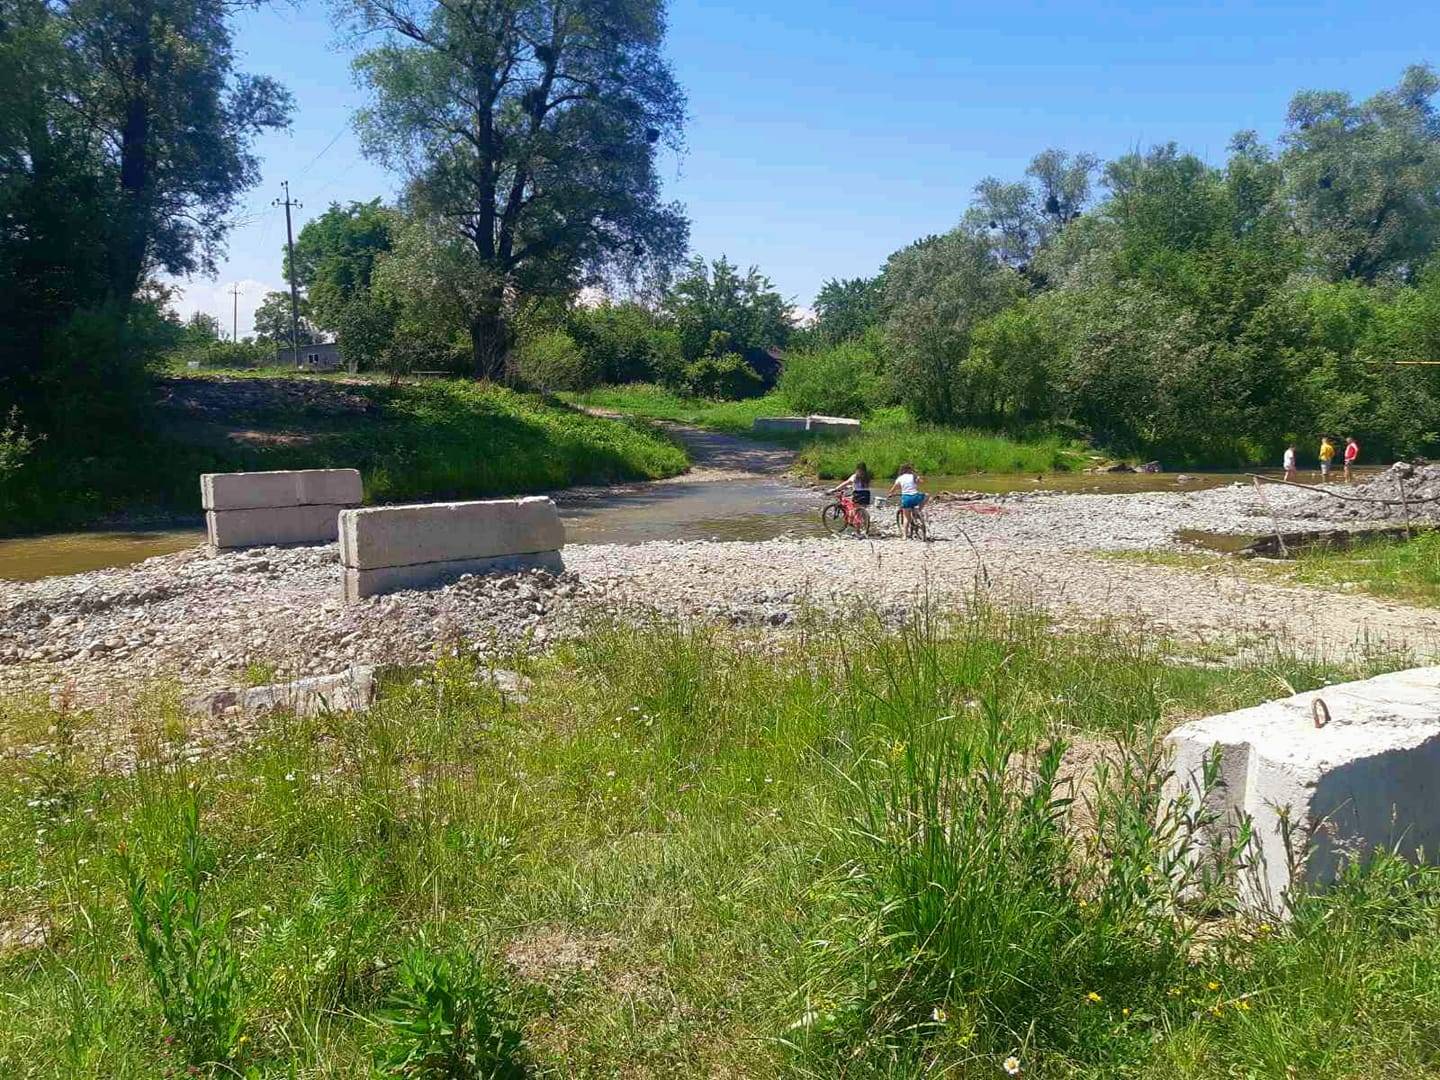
803,316
214,298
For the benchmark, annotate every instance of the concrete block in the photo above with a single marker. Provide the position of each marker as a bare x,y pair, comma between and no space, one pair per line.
358,584
386,536
829,425
779,424
833,425
301,487
353,689
1362,781
272,525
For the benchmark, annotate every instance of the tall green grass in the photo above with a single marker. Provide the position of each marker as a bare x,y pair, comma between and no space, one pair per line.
1403,569
888,438
418,440
696,852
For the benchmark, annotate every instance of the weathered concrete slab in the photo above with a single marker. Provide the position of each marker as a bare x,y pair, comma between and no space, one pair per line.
776,424
833,425
827,425
352,689
1365,780
383,549
384,536
272,525
358,584
300,487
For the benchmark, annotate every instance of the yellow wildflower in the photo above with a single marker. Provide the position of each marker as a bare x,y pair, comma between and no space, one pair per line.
1092,997
1212,986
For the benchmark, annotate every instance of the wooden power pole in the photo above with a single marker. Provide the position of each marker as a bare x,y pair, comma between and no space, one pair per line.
294,295
235,313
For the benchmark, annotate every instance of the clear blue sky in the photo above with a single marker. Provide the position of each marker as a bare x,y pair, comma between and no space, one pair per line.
824,135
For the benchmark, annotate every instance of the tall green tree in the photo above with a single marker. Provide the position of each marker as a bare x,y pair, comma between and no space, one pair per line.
335,255
177,122
845,308
716,298
1364,178
272,321
529,129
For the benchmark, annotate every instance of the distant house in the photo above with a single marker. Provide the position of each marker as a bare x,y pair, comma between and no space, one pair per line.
322,356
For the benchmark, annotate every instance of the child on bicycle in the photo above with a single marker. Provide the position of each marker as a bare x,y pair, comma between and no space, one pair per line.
859,484
911,497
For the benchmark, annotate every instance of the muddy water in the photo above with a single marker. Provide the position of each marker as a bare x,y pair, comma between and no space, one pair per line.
29,558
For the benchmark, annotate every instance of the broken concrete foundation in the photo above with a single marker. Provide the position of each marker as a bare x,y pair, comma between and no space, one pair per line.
388,548
1324,777
256,509
352,689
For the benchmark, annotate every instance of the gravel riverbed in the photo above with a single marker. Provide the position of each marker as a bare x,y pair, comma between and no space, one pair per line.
200,618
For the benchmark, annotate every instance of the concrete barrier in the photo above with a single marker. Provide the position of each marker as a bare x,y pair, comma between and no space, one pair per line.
1364,779
779,424
386,548
831,425
289,507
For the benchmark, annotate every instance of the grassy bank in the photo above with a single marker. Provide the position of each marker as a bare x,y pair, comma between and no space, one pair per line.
1401,569
889,437
687,854
436,439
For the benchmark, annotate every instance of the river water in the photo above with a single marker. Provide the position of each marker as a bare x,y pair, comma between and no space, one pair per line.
759,509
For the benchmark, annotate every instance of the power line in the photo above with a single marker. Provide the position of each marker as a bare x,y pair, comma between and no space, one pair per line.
294,295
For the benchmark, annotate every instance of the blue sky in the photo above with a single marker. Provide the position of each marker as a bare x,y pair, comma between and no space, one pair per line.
823,136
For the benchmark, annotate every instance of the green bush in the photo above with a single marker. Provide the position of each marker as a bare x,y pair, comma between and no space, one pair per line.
727,377
838,380
444,1021
187,951
553,361
628,344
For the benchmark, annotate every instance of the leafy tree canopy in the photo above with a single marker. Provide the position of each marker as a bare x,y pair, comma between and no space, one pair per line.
711,298
529,129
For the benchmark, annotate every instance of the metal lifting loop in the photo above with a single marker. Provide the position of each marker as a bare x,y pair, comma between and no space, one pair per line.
1319,710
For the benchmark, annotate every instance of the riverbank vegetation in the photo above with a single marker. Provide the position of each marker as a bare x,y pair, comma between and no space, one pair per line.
690,853
445,438
1406,570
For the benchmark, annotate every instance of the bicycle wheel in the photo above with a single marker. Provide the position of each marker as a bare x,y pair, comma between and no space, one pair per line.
833,518
922,529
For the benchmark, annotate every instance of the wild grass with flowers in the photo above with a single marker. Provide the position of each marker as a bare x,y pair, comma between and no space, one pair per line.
851,851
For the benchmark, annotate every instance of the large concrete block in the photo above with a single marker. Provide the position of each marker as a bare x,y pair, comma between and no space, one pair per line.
384,536
778,424
301,487
358,584
830,425
272,525
1364,780
833,425
386,548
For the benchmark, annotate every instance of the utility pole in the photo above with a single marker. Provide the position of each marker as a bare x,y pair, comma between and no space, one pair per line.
235,313
294,296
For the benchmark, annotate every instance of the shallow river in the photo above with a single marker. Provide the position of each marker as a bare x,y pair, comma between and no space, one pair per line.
721,510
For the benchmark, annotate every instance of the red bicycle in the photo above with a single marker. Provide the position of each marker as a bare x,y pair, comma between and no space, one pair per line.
846,515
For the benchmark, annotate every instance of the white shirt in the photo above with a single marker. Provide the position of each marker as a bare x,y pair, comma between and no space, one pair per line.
908,485
1289,459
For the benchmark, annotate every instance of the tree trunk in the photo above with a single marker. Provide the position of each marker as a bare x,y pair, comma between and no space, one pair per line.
489,339
128,254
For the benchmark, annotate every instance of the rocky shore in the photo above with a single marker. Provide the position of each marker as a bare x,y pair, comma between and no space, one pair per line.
207,621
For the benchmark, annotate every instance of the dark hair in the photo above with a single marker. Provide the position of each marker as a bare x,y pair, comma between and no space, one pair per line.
907,467
862,475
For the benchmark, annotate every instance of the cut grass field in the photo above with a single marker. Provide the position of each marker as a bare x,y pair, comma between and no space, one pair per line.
688,853
888,439
436,439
